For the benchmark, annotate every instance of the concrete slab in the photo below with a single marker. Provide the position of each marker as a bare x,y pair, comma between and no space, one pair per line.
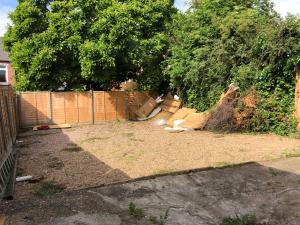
270,190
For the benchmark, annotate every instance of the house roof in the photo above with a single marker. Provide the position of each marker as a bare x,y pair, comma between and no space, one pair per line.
3,54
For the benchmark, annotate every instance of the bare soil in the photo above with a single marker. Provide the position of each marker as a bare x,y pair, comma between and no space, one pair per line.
93,155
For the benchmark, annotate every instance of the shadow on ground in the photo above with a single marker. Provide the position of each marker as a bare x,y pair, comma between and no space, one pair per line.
271,191
58,164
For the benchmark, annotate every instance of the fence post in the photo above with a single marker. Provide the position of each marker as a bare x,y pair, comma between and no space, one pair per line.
92,107
50,119
18,109
297,95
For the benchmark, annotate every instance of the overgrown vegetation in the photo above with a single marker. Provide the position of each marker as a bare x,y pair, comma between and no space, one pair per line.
88,44
139,214
98,44
245,42
136,212
244,220
48,188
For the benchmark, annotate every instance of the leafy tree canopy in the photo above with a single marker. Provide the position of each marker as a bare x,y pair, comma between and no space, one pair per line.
87,43
246,42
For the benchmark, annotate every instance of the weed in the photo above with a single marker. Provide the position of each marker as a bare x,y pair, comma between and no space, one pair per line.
219,136
48,188
223,165
290,154
135,211
153,219
244,220
133,156
55,163
36,134
137,140
117,122
160,221
273,172
164,171
94,139
20,172
129,134
26,145
72,148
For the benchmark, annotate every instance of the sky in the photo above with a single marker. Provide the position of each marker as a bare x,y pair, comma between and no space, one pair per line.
282,6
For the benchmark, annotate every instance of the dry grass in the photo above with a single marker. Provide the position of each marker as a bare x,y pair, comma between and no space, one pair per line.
88,156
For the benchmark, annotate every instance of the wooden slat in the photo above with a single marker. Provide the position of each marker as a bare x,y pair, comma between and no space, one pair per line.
71,107
99,107
58,108
110,100
2,220
84,106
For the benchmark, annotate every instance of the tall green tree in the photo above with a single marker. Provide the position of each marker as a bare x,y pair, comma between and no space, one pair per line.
88,43
219,42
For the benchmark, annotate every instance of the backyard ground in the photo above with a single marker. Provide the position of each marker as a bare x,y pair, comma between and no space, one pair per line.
270,191
110,152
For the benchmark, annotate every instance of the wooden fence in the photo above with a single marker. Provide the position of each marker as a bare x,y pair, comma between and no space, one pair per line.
8,133
77,107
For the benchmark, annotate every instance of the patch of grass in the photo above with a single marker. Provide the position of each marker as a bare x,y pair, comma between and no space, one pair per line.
35,134
117,122
244,220
295,135
48,188
129,134
136,212
94,139
55,163
133,156
26,145
290,154
219,136
273,172
72,148
155,220
137,140
20,172
223,165
164,171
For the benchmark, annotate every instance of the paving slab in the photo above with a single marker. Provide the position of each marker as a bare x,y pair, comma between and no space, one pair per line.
269,190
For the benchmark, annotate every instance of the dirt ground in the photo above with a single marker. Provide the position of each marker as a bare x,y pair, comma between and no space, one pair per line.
269,191
93,155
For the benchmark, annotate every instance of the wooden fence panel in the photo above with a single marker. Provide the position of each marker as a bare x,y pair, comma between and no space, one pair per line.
122,112
58,107
71,107
28,109
77,107
42,104
84,107
110,101
8,133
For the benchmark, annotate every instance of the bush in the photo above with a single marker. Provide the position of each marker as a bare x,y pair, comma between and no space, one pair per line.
245,42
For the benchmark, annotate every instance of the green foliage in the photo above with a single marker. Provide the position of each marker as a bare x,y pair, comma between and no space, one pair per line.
244,220
48,188
135,211
88,43
245,42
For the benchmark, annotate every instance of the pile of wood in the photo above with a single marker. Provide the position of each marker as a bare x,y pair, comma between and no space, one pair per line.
171,110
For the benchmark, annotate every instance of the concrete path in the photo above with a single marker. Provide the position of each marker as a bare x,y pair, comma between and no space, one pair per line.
269,190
